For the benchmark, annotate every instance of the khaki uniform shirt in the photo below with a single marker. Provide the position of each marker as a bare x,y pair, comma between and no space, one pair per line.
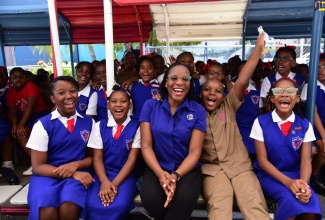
223,147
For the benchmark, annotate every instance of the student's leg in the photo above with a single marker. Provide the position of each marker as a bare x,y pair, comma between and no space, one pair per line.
69,211
48,213
152,195
218,193
249,196
7,148
22,141
187,192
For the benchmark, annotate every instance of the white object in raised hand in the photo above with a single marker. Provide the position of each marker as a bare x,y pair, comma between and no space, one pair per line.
267,38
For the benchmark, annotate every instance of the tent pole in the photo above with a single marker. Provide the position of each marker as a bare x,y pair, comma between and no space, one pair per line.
109,42
55,41
316,35
2,51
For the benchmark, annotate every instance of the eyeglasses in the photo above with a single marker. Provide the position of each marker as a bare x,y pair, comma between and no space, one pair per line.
215,73
174,78
289,91
321,67
283,59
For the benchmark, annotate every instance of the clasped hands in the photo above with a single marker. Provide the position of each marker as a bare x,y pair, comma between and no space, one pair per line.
168,183
107,192
300,189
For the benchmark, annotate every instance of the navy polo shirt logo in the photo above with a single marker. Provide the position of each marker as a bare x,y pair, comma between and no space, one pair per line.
296,142
189,117
84,135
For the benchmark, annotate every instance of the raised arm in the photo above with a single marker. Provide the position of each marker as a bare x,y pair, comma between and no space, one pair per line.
249,67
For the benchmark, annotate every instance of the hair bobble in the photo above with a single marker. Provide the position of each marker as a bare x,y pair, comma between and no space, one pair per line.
290,46
206,68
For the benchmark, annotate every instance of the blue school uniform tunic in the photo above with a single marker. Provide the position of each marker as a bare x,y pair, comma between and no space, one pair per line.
116,153
172,133
83,102
140,94
101,107
284,153
63,147
245,117
298,78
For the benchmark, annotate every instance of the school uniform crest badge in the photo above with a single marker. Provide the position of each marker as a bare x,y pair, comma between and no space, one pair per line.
84,135
82,106
255,99
129,144
296,142
154,91
221,116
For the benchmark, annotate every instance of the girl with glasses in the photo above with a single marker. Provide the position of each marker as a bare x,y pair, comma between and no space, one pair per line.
284,60
283,148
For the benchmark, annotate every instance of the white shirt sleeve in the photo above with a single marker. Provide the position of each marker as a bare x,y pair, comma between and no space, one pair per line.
38,139
266,85
303,95
257,132
92,105
309,136
95,139
137,140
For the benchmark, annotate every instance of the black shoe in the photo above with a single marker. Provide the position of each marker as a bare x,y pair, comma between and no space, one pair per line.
317,184
9,175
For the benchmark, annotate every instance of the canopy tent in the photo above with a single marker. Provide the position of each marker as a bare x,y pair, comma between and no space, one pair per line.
25,22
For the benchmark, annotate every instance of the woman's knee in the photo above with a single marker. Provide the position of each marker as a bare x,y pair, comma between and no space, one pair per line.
69,211
49,213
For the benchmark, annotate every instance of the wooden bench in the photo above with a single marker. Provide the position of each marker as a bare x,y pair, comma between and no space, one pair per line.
200,209
19,198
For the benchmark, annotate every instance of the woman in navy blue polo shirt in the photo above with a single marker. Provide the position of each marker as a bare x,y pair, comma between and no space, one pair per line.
172,134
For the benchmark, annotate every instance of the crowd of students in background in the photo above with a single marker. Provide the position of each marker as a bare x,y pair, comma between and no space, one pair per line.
184,126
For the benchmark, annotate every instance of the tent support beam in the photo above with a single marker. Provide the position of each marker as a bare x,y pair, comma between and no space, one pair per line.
139,21
316,34
167,31
55,41
108,22
2,51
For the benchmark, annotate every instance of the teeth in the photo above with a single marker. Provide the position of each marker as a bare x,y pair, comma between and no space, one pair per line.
211,99
178,90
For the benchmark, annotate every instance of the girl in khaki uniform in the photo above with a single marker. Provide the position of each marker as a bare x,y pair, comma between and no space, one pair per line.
227,169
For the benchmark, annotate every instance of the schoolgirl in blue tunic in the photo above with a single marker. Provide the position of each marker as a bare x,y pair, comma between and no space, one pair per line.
284,61
146,88
116,146
87,95
283,148
58,143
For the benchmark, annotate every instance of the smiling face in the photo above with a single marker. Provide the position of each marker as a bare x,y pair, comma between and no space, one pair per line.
18,79
177,89
84,75
129,60
215,72
284,67
119,105
65,96
285,103
212,94
186,59
100,73
146,71
160,64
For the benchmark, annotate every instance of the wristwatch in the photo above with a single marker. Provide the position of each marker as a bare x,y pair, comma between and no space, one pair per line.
179,176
